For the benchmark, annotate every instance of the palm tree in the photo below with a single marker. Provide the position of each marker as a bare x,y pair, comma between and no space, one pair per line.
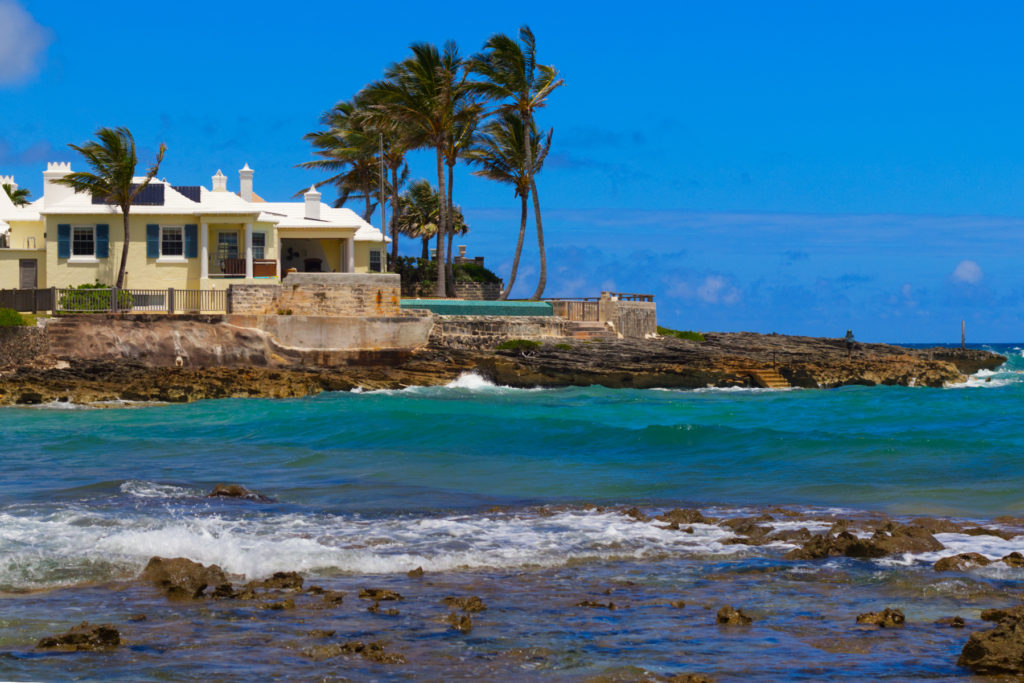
113,159
19,196
459,142
422,97
513,77
349,146
501,155
418,213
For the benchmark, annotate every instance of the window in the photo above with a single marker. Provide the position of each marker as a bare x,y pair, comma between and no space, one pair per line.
83,241
227,245
374,261
259,244
172,242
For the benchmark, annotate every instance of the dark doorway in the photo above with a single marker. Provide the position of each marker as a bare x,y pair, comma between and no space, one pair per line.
28,269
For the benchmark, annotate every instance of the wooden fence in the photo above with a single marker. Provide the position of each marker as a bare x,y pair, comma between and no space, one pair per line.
111,299
588,308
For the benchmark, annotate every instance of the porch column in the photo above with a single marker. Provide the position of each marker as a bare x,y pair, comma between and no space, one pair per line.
342,256
204,251
248,251
280,261
350,249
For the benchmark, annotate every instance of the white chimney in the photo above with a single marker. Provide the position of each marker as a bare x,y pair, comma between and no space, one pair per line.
245,183
220,182
52,192
8,180
312,203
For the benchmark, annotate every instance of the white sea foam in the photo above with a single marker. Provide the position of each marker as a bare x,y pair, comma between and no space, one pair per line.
148,489
992,547
71,546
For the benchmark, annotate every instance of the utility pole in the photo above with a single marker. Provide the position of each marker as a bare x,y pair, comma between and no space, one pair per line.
963,335
383,222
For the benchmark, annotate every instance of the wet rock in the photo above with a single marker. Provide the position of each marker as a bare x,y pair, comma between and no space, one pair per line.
731,616
682,516
225,591
981,531
416,573
279,605
997,651
375,609
462,623
291,581
790,535
748,533
181,578
952,622
689,678
137,617
321,633
238,491
373,651
466,604
595,604
333,598
678,604
636,514
84,637
998,532
1014,559
937,525
379,594
1000,614
315,590
887,618
961,562
889,539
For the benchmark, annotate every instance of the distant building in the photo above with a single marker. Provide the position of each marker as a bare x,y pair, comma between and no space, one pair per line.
182,236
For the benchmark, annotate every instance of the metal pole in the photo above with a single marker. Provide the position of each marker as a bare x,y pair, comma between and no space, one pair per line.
383,233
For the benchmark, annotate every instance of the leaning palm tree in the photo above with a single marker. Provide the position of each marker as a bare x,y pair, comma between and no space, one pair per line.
418,213
460,140
512,76
19,196
348,146
113,159
501,155
420,96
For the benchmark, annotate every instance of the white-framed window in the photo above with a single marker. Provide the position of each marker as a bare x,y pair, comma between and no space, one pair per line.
374,261
83,241
259,244
172,242
227,245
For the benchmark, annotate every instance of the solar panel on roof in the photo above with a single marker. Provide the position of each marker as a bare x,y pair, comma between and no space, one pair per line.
188,191
151,195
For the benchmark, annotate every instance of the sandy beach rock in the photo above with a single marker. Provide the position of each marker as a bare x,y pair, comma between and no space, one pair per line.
887,618
84,637
997,651
961,562
730,616
181,578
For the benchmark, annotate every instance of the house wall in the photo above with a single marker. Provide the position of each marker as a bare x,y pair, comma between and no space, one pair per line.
10,274
24,233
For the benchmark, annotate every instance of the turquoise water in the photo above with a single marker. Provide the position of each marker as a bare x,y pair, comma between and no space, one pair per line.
493,488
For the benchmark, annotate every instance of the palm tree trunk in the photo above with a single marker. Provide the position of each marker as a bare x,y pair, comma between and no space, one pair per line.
124,253
441,290
543,281
426,250
449,269
519,251
394,214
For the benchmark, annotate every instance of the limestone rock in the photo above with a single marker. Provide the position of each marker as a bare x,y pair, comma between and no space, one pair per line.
181,578
730,616
997,651
887,618
84,637
961,562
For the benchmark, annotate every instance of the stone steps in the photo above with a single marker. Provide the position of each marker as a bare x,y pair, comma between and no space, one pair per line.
589,330
766,378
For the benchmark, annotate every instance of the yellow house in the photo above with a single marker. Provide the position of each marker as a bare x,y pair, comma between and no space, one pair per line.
181,236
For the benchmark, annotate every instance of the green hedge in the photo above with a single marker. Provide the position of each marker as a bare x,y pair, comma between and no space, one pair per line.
681,334
11,318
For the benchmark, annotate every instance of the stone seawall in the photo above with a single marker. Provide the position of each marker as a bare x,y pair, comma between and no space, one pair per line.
22,345
321,294
487,331
630,319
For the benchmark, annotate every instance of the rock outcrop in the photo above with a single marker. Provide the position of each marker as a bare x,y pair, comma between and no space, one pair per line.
999,650
84,637
889,538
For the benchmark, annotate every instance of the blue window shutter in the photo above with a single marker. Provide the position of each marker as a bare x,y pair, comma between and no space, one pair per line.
63,241
102,241
152,241
191,239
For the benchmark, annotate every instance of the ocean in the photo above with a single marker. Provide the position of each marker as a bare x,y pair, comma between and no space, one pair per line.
518,497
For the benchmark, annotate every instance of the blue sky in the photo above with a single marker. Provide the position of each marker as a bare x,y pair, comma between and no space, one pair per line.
792,167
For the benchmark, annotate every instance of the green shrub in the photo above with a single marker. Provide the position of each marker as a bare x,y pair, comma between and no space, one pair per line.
518,345
563,347
414,271
90,298
681,334
474,272
11,318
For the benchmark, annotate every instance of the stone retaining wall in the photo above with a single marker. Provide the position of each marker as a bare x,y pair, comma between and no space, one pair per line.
483,291
631,319
20,345
321,294
487,331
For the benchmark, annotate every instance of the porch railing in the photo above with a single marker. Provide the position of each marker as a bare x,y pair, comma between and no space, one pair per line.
109,299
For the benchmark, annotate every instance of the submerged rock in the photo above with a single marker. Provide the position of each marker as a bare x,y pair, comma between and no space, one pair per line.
961,562
887,618
375,609
84,637
595,604
379,594
999,650
462,623
953,622
466,604
680,516
730,616
238,491
282,581
373,651
181,578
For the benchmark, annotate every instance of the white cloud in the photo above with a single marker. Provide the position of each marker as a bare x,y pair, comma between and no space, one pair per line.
968,272
22,43
715,289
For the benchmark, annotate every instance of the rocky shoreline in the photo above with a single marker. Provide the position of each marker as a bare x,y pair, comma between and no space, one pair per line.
722,360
